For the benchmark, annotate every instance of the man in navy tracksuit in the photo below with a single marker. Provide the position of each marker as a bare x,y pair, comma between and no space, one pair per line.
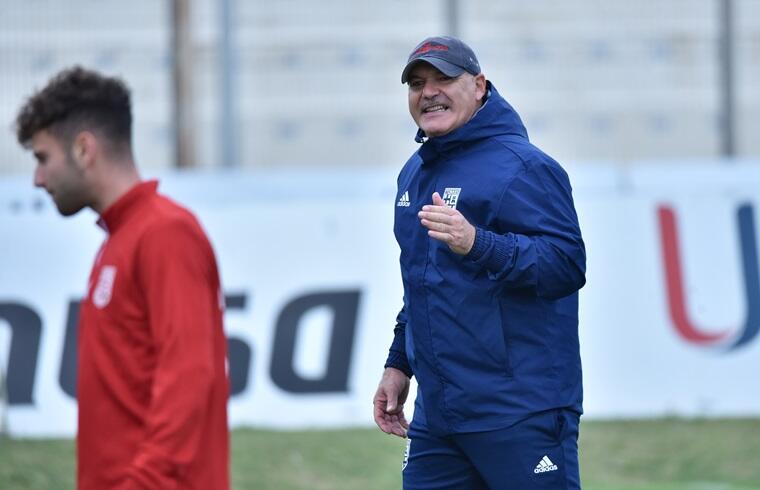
492,260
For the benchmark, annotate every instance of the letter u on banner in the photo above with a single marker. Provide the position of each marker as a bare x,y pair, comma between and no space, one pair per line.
671,258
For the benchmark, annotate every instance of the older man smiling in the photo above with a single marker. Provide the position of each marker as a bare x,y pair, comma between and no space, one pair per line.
491,260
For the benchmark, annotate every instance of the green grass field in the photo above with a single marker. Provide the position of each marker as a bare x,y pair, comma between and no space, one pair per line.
665,454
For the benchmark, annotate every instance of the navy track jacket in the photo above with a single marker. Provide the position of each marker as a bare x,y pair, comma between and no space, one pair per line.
491,336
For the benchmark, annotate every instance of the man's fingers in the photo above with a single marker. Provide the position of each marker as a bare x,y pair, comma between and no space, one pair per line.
435,226
402,421
444,237
398,431
445,210
437,217
391,404
401,426
398,426
392,424
437,200
390,420
384,426
382,421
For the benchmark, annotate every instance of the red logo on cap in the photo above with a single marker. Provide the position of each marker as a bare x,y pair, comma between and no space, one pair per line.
431,47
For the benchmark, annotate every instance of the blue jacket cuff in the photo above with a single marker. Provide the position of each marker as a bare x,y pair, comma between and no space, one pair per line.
397,354
480,246
398,361
492,251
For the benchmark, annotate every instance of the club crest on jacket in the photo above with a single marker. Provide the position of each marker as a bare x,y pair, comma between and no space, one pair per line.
101,295
451,196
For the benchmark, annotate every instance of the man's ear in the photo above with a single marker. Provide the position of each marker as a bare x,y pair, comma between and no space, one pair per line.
480,86
84,149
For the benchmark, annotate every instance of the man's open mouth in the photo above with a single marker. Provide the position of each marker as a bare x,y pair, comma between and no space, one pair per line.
435,108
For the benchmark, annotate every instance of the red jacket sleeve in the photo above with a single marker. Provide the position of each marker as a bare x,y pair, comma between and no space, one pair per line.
181,287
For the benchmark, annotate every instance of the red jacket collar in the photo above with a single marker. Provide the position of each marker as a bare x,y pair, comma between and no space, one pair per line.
126,205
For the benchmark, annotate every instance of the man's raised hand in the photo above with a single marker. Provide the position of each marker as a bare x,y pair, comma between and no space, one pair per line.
447,225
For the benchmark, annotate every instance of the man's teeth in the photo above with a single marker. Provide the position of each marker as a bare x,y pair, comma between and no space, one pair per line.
435,108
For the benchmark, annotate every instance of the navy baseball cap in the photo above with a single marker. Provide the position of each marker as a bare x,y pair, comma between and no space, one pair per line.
448,54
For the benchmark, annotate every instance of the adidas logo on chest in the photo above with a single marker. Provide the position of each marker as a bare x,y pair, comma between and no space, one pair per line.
404,200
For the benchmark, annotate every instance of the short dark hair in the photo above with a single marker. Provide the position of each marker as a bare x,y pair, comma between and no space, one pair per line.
78,99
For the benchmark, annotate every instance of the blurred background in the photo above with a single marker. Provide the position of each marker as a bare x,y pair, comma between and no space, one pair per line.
291,83
283,124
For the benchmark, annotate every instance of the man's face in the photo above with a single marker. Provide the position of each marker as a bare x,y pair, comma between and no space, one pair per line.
58,174
440,104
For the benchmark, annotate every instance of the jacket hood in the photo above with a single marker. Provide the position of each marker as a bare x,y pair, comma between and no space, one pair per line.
495,118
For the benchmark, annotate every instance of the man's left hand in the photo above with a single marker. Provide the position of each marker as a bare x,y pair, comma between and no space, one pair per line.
447,225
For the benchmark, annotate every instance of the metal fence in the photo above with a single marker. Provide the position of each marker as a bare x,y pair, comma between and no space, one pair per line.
302,83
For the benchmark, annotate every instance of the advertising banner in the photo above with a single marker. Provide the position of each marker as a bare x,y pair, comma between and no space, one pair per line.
669,316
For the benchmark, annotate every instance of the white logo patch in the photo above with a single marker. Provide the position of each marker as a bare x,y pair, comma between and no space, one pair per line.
404,200
406,454
451,196
101,295
545,465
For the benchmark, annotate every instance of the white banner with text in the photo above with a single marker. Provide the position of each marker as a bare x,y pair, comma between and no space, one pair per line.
669,317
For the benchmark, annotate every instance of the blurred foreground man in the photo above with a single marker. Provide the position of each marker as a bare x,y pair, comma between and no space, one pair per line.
492,260
151,384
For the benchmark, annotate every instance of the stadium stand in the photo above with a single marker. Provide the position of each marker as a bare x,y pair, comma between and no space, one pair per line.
318,83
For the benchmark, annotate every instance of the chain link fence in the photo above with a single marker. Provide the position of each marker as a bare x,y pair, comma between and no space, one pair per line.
317,84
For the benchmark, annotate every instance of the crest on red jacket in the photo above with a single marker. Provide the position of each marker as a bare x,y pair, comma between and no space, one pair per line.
101,295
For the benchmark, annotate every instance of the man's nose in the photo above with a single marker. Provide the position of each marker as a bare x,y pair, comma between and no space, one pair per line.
430,89
39,177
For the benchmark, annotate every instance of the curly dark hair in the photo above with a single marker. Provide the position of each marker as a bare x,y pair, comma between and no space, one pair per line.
78,99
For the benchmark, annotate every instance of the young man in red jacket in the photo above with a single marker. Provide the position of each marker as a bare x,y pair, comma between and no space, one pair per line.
152,384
